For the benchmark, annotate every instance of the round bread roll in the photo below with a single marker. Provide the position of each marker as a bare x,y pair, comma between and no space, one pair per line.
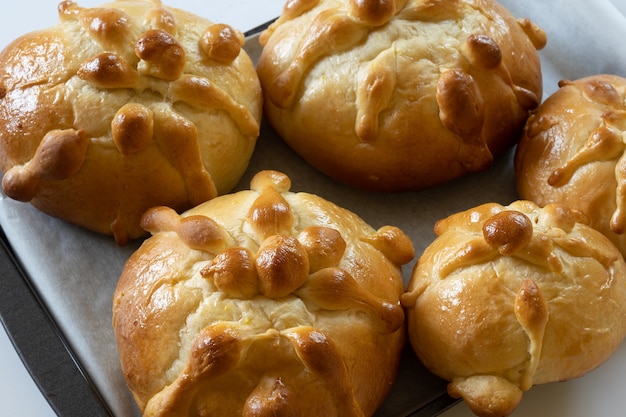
263,302
124,107
508,297
398,95
572,152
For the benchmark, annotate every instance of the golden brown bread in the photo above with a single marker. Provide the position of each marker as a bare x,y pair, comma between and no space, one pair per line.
123,107
572,152
263,302
395,95
508,297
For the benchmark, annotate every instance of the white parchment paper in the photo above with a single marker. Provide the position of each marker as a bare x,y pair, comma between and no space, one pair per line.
75,271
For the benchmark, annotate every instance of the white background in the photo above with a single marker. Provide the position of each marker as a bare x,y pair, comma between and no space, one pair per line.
599,393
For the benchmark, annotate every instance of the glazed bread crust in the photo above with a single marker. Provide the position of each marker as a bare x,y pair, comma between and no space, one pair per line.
572,152
399,95
262,302
123,107
508,297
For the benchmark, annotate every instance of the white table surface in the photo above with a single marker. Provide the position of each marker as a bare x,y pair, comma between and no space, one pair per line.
599,393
